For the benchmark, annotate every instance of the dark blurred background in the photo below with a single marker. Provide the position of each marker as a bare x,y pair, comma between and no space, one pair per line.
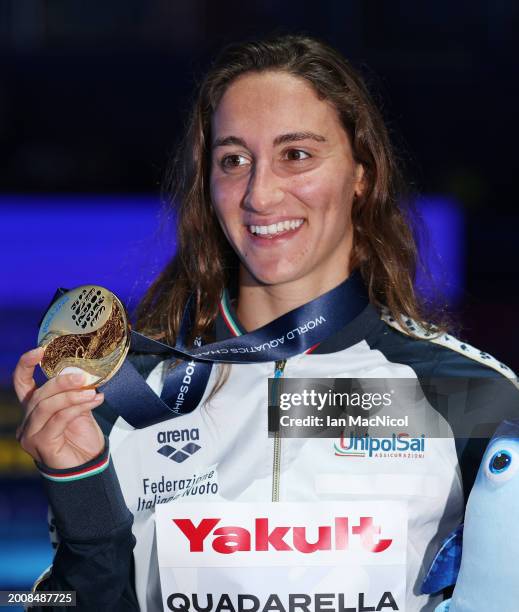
93,96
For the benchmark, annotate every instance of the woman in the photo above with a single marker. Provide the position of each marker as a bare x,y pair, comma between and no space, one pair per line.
287,188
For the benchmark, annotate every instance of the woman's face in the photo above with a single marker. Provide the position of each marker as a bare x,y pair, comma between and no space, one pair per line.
283,181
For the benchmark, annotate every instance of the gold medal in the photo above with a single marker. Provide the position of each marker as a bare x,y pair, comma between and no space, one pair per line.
85,328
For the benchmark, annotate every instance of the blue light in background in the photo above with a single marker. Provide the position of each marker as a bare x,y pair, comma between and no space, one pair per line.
23,560
442,248
67,241
25,549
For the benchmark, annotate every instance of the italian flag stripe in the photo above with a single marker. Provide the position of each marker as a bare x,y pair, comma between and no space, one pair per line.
234,329
227,317
90,471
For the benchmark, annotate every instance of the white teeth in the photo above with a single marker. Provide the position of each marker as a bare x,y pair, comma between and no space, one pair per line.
275,228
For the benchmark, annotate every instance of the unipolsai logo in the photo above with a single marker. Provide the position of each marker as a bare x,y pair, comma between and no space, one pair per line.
397,446
178,444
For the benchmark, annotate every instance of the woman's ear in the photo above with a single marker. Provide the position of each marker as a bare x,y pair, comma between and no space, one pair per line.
359,180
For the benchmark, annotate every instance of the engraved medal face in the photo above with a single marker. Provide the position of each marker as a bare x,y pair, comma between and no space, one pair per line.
85,328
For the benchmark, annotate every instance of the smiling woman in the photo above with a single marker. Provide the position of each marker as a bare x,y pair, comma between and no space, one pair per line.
283,180
295,258
284,130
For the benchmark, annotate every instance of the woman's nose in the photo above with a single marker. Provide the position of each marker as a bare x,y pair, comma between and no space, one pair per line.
264,190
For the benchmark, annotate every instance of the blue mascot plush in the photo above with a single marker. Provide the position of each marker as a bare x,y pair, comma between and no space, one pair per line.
487,573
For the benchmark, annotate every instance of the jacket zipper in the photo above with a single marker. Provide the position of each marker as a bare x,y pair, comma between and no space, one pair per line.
276,464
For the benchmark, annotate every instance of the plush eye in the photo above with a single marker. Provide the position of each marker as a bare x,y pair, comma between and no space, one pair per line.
501,462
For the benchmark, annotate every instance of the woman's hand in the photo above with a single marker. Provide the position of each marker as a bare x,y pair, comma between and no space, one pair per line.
58,429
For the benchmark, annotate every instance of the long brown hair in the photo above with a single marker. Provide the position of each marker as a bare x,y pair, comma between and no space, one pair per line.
384,249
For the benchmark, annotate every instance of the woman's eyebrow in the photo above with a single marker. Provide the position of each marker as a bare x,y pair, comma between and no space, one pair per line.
296,136
281,139
229,140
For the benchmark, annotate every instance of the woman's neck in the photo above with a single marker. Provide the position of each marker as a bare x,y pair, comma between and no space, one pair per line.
260,304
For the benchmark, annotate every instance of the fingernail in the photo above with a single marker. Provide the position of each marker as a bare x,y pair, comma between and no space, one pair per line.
87,393
77,378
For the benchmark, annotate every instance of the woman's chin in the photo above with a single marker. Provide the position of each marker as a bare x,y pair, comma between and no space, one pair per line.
275,276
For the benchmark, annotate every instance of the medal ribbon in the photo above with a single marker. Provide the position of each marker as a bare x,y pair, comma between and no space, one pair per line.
184,385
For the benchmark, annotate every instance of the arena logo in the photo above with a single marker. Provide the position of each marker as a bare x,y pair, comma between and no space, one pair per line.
174,453
398,445
262,537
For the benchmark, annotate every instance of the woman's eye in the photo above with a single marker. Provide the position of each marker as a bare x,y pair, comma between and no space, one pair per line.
234,161
296,155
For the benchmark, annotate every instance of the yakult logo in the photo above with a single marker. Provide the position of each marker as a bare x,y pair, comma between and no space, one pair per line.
263,536
282,534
